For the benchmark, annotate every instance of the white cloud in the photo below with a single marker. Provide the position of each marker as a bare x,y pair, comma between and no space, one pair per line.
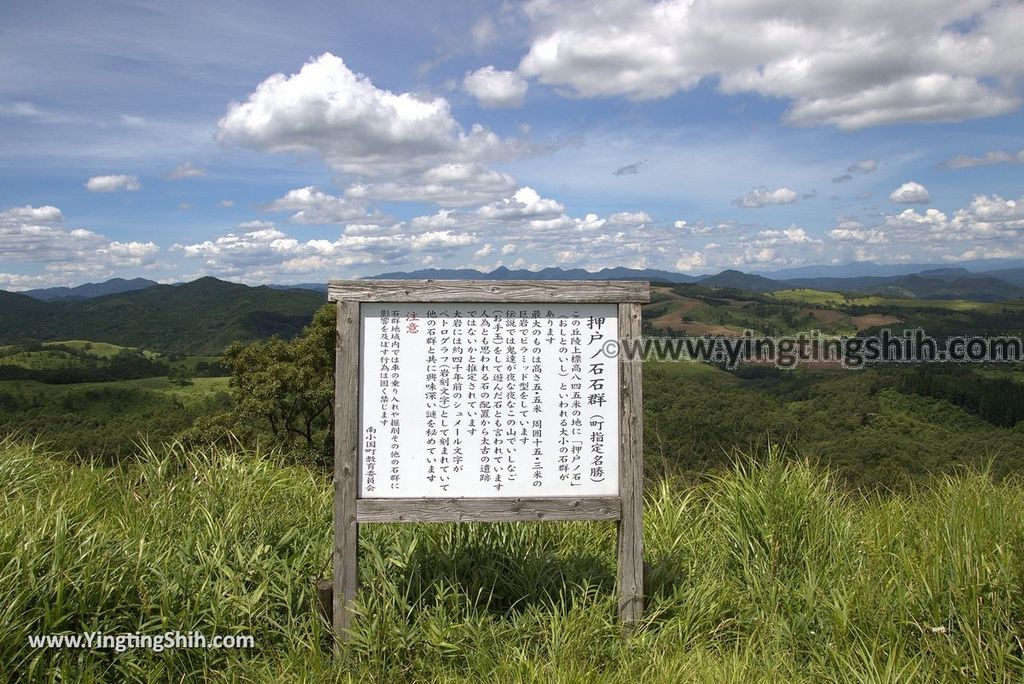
927,98
910,193
590,222
442,219
186,170
113,183
448,185
128,253
14,282
37,235
255,225
990,227
494,88
690,261
963,161
311,205
701,229
759,197
359,129
30,214
268,252
870,236
525,203
909,226
630,218
793,235
848,65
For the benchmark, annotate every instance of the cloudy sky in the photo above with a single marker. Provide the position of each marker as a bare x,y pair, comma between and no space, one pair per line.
295,142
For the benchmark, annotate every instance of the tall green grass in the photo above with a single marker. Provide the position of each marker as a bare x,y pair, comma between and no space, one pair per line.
764,574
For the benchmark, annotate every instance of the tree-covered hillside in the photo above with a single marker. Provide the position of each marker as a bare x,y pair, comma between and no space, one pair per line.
200,317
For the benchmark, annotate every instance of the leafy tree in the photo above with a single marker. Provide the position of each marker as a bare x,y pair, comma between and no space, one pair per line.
288,385
180,375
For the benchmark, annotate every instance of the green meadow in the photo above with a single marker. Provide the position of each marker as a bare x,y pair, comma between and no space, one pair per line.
768,571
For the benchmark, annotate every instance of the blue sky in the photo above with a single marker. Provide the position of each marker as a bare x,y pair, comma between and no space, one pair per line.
274,143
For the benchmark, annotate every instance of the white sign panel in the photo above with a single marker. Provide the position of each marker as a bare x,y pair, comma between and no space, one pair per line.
488,400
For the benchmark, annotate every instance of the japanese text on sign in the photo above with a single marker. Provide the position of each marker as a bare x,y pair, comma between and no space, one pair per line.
488,400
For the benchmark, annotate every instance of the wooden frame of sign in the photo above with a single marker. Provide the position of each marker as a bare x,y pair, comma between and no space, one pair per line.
351,508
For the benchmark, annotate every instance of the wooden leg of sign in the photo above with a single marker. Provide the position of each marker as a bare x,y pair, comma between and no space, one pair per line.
346,448
631,475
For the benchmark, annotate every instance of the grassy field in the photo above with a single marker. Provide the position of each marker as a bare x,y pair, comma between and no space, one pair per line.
58,353
699,311
766,573
102,349
83,394
840,299
105,419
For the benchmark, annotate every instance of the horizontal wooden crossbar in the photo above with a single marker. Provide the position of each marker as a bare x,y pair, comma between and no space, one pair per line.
488,510
499,291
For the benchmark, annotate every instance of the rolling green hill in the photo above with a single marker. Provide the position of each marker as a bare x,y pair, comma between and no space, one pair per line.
200,317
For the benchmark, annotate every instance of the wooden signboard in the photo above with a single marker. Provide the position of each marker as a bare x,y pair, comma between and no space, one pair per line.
487,401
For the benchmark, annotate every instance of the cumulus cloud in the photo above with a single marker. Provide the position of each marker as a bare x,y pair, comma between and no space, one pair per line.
268,252
359,129
842,179
989,227
186,170
494,88
857,233
15,282
37,235
311,205
630,218
838,64
449,185
759,197
910,193
524,204
113,183
690,261
29,214
767,247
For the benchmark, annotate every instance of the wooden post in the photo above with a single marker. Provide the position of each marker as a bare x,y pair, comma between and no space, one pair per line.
631,473
325,599
346,447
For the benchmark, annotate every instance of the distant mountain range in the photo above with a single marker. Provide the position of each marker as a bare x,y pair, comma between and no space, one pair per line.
868,268
90,290
931,283
204,316
201,317
923,281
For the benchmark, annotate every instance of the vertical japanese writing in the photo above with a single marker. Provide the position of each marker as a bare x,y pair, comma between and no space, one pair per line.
430,397
596,396
394,337
473,399
444,399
